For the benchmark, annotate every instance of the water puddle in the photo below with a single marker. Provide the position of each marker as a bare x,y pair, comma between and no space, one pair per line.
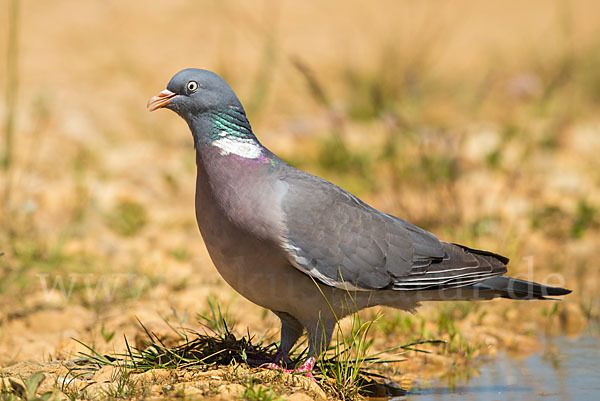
570,371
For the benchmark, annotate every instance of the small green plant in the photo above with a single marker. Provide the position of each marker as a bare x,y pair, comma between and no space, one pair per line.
216,320
180,393
106,335
550,314
127,218
27,391
181,254
350,359
584,218
7,394
350,363
122,386
393,322
65,384
456,343
258,392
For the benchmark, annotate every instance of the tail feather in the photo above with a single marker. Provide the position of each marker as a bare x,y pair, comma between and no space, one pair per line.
512,288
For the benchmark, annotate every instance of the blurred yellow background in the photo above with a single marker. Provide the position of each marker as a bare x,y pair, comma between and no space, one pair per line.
478,120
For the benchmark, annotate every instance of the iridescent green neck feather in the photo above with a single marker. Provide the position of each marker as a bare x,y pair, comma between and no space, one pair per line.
230,122
232,134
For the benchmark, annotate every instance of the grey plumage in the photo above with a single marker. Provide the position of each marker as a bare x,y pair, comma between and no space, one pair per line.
303,247
338,239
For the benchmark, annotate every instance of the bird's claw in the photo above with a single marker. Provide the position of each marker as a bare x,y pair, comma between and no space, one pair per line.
306,368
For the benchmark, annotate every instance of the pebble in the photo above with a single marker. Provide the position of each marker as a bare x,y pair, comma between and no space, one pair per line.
299,397
106,374
231,389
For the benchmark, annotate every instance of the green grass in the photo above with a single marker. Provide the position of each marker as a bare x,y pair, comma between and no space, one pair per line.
127,218
347,369
31,255
26,390
121,386
558,223
217,346
36,263
107,335
219,321
258,392
585,217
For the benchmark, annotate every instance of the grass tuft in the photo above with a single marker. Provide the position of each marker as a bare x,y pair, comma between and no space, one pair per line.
346,370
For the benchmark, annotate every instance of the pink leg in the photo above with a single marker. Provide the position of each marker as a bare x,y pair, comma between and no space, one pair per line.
306,367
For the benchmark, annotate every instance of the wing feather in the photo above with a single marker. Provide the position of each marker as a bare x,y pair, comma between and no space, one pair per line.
343,242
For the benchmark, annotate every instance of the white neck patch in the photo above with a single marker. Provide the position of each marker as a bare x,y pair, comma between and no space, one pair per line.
243,147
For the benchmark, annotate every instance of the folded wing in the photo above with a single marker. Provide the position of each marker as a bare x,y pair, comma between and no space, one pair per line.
343,242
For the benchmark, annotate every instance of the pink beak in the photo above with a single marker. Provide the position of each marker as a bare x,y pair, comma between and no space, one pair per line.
160,100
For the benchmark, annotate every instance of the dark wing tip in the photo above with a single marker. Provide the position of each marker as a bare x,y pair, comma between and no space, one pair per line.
557,291
502,259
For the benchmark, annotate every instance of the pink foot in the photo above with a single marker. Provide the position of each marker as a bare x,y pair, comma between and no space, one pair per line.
306,368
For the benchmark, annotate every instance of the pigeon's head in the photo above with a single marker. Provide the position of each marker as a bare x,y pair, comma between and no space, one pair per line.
194,91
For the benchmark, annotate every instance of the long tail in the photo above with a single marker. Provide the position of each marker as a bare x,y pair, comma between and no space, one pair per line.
479,285
512,288
495,287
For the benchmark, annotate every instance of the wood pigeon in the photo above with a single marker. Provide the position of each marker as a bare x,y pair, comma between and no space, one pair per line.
305,248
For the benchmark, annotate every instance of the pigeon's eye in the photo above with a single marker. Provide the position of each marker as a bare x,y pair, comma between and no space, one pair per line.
192,86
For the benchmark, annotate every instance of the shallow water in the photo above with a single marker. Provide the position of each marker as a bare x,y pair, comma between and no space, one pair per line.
570,372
